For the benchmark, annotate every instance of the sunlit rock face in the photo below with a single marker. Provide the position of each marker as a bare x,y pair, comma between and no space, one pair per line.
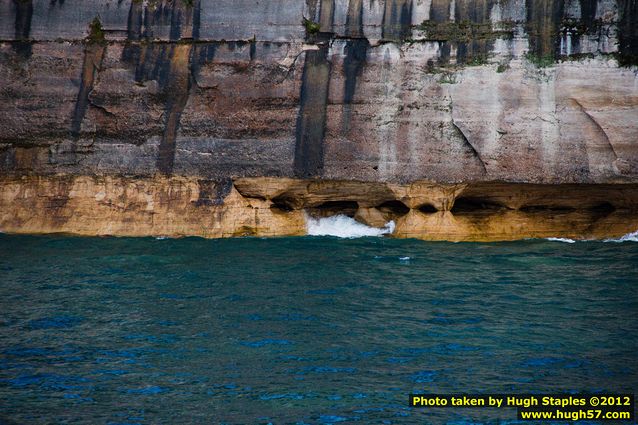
267,206
401,92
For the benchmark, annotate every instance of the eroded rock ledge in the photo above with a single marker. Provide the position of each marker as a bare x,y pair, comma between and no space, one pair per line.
189,206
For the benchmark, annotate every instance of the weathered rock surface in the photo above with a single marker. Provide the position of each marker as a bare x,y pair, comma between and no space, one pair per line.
187,206
377,92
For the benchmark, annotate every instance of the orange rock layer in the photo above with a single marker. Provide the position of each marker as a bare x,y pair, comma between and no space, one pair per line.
189,206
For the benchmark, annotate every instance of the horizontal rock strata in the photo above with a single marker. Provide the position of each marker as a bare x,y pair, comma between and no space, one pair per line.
392,91
385,92
179,206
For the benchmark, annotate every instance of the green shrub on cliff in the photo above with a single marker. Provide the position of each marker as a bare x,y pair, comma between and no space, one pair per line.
464,31
477,60
311,26
96,32
540,61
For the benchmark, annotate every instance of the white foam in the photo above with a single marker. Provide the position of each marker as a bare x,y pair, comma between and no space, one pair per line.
404,258
565,240
629,237
344,227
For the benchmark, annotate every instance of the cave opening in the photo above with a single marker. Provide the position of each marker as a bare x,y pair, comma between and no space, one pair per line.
604,208
428,209
470,205
394,208
283,204
331,208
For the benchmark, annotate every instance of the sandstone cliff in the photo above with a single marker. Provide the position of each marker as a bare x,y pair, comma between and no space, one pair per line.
450,93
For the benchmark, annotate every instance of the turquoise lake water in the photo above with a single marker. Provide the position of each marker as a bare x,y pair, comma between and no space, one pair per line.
305,330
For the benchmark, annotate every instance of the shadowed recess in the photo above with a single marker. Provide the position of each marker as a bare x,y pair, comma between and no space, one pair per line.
286,203
280,205
396,208
428,209
331,208
604,208
473,205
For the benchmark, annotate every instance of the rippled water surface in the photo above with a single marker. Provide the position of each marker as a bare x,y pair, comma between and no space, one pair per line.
305,330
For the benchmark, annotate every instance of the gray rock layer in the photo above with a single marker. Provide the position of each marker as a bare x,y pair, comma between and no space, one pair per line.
541,91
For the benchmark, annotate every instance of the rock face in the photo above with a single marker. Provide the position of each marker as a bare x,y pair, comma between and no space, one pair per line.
267,206
384,92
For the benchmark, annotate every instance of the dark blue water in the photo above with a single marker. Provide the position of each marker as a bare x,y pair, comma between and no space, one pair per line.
305,330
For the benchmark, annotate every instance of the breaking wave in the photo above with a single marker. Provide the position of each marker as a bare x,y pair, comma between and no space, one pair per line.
344,227
565,240
629,237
